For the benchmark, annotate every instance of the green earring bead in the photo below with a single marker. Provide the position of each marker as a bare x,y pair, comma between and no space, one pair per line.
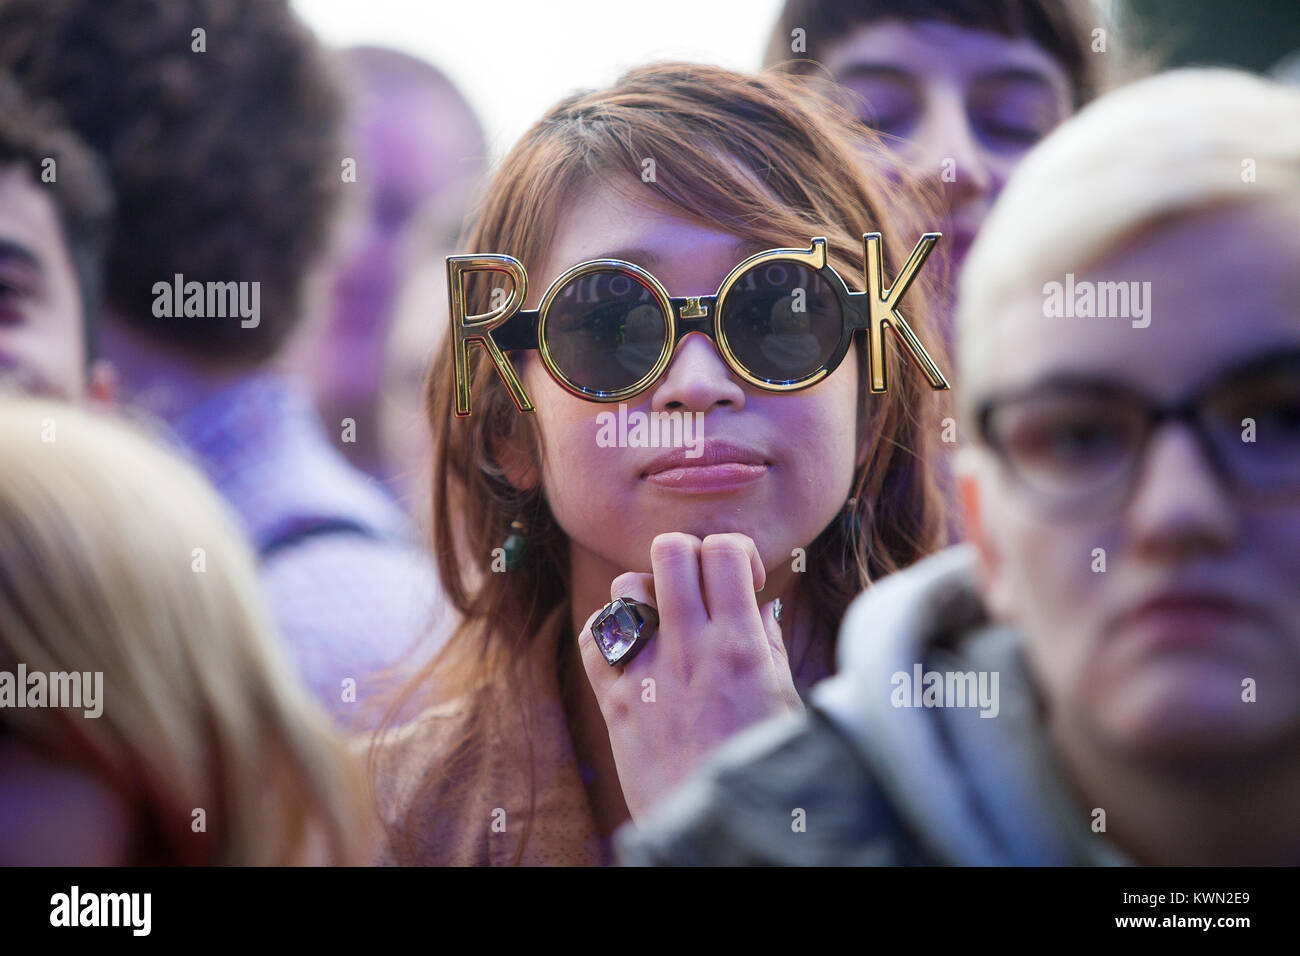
516,546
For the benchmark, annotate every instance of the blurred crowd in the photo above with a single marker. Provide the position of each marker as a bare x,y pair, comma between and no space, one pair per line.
1047,615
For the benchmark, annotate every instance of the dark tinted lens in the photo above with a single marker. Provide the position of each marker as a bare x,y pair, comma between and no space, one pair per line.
782,321
605,330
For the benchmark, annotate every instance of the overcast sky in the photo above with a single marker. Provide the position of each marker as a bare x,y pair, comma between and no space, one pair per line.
513,58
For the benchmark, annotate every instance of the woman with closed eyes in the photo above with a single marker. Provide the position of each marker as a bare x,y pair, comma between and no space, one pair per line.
959,91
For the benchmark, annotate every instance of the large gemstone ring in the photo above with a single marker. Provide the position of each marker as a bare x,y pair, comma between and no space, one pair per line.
623,628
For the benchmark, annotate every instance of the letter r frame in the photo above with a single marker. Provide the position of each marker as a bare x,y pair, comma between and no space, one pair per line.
469,329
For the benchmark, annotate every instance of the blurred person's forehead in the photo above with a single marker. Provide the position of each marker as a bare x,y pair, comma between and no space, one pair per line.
29,224
416,139
1218,285
416,143
384,86
894,46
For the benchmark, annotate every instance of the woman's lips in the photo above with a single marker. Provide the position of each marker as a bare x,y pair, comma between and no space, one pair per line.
706,478
717,466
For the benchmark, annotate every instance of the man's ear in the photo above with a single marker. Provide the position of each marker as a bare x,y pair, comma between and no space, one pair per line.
966,467
101,387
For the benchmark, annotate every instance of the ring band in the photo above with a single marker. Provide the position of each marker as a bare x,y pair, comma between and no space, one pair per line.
623,628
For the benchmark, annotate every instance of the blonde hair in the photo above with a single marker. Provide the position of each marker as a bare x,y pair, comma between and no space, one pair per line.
1158,148
118,558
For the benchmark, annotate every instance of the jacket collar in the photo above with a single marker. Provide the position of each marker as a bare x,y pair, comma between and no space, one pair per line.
976,791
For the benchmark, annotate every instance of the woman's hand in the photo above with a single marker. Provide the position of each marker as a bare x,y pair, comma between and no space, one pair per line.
716,665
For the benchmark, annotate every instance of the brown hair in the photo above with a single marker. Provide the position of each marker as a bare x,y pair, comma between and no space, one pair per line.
1061,27
766,157
225,163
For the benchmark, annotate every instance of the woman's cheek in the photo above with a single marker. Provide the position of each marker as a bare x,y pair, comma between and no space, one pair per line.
823,449
580,478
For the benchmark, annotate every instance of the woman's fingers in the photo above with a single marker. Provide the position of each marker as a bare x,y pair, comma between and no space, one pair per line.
675,560
732,571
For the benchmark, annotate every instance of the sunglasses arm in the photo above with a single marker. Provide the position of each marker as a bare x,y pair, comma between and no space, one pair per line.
467,330
518,333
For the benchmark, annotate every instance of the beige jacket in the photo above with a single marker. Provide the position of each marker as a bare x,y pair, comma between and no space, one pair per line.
486,826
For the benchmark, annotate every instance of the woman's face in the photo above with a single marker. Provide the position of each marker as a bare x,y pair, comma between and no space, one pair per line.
777,467
1150,653
961,107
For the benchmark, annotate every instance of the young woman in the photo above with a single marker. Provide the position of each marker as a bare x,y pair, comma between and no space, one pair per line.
533,749
158,724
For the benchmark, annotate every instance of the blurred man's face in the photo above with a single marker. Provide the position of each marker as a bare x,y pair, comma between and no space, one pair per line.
1163,622
414,143
962,107
412,147
42,337
420,322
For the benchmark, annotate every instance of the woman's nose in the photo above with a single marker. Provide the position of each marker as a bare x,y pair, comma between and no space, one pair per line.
697,380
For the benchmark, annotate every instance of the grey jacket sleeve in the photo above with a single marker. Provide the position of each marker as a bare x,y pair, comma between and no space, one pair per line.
788,792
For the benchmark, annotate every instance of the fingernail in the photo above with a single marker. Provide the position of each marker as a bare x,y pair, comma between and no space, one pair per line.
776,610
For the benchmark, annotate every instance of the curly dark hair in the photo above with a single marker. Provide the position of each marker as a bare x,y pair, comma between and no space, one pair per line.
30,135
225,161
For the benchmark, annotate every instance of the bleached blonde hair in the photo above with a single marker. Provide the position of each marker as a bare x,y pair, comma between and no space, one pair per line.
117,557
1161,147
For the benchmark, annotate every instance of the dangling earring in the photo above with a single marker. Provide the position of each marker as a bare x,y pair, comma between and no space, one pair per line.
516,546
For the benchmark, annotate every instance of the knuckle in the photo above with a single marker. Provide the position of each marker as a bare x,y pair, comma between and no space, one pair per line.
674,553
724,547
616,708
672,547
737,656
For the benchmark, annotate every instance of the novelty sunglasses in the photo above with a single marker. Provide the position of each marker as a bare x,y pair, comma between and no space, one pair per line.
606,330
